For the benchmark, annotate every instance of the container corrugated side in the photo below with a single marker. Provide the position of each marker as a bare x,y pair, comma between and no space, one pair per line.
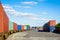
3,20
52,23
22,27
28,27
19,27
15,26
52,28
11,24
25,27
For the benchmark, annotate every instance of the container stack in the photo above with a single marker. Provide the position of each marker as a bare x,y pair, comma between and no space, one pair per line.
52,25
4,23
46,27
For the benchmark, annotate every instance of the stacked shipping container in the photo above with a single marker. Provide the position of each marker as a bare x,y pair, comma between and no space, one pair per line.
4,21
52,25
46,27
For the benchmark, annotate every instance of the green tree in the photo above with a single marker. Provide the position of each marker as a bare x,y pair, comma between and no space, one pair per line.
58,25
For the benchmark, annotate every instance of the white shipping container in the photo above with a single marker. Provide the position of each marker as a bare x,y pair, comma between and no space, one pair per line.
25,27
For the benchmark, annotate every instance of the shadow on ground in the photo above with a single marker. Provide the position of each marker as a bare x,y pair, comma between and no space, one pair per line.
57,32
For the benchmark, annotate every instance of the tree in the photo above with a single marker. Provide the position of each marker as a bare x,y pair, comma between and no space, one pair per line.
58,25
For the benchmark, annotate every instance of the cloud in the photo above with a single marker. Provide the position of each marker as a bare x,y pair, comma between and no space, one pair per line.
29,2
44,12
39,19
23,6
10,10
27,7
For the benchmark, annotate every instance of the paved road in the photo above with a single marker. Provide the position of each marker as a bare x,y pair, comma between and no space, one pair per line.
34,35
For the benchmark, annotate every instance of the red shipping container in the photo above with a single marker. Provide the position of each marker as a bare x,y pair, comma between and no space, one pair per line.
15,26
22,27
52,23
4,21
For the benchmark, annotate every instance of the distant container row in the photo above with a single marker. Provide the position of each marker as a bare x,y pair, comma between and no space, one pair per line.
6,25
14,26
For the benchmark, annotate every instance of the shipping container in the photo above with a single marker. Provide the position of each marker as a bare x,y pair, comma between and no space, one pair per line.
22,27
4,21
40,29
19,27
15,26
26,27
52,28
46,27
52,23
11,25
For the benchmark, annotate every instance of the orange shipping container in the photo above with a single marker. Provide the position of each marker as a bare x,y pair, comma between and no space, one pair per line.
40,28
15,26
52,23
3,20
22,27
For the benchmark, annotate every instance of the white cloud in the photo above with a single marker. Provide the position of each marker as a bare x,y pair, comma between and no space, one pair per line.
44,12
39,19
27,7
10,10
23,6
29,2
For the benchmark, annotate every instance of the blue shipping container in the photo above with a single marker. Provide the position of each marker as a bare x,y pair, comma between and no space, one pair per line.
19,27
52,28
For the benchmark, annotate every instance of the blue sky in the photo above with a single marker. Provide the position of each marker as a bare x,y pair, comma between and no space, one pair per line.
32,12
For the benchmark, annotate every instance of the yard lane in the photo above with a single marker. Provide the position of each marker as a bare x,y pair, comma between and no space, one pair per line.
34,35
